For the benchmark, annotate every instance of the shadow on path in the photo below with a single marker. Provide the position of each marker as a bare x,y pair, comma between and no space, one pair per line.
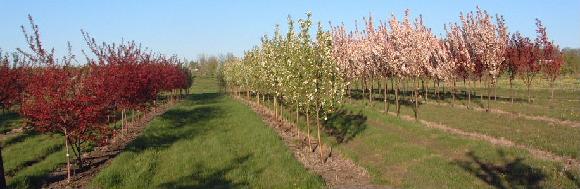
345,125
205,177
507,174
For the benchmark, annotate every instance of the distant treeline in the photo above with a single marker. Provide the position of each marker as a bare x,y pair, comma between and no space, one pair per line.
572,58
210,65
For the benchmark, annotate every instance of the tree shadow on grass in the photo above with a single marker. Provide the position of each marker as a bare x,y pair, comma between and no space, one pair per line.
183,124
574,178
19,138
6,120
203,98
345,125
507,174
205,177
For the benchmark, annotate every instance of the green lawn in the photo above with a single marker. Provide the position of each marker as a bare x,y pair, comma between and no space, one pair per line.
28,156
208,140
560,139
408,155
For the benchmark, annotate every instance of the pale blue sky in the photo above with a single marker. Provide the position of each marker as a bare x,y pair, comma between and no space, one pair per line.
188,28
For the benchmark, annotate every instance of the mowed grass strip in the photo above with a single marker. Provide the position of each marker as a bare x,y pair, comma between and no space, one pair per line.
406,154
559,139
29,156
207,141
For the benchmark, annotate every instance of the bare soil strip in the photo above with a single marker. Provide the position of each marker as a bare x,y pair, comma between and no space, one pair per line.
525,116
101,157
337,171
537,153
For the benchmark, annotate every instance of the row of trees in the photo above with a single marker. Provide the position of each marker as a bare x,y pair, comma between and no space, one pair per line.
293,70
61,95
313,75
478,48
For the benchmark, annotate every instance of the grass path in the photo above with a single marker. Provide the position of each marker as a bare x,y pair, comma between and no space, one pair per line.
406,154
561,140
208,140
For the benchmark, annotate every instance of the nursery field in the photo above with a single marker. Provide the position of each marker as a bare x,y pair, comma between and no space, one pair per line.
211,140
479,100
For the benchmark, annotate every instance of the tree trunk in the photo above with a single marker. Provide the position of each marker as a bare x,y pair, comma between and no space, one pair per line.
363,89
2,178
308,128
436,86
552,90
416,92
318,132
512,89
348,93
425,89
529,94
123,117
275,107
297,119
68,167
371,91
453,93
443,92
397,97
468,95
488,83
386,103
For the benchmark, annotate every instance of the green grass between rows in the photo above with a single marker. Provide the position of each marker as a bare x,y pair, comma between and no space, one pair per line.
207,141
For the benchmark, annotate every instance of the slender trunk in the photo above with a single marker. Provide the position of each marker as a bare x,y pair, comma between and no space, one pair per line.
468,95
424,89
552,90
480,94
494,92
275,107
386,103
68,166
397,98
453,93
444,94
133,117
78,153
308,128
318,133
416,99
371,92
2,178
465,87
529,94
363,89
488,83
123,119
297,119
512,89
348,93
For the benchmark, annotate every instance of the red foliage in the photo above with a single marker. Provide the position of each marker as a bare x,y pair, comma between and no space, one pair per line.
12,82
522,56
551,58
62,98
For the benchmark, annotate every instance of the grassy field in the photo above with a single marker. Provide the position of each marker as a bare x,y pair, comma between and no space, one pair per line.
211,140
407,154
208,140
28,156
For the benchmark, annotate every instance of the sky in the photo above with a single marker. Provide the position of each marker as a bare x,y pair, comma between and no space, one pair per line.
190,28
